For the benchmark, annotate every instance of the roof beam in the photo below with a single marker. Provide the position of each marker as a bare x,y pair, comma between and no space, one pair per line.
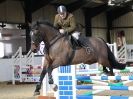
97,10
1,1
37,4
116,13
76,5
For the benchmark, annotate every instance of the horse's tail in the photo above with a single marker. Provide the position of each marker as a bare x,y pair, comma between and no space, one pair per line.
113,62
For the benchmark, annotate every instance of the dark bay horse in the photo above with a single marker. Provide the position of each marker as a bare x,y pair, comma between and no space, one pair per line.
59,52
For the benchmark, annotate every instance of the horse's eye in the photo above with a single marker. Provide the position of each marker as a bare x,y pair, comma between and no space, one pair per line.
35,31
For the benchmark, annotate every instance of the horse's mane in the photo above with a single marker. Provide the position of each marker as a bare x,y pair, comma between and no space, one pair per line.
44,22
35,24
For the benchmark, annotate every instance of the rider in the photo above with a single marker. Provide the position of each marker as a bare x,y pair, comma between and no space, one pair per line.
65,23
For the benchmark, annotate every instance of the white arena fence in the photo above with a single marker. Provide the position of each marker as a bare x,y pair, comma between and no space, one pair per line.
26,68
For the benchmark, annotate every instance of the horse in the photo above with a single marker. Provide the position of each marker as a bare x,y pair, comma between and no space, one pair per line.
60,52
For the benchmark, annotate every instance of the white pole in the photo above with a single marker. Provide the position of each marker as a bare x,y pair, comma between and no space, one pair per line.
115,50
20,63
74,81
45,85
45,81
13,79
56,81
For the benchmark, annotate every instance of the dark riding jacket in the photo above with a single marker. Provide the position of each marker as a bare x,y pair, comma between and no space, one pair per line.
68,24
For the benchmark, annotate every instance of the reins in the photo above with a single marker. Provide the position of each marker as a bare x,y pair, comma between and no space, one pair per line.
54,38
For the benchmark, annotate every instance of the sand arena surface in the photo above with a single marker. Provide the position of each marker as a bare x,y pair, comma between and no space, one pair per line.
21,91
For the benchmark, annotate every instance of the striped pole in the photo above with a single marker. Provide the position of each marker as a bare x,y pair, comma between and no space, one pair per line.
92,92
102,97
80,78
129,88
106,83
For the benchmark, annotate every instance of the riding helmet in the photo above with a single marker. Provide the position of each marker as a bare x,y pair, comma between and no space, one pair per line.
61,9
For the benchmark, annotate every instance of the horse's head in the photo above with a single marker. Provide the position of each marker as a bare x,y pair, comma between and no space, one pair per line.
36,37
42,31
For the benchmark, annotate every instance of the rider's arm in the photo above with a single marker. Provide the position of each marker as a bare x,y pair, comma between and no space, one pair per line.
56,25
72,26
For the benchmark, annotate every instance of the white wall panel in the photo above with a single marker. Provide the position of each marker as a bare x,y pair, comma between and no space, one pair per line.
79,16
124,21
99,22
15,44
99,33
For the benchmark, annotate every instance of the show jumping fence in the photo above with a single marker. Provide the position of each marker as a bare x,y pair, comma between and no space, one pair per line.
67,79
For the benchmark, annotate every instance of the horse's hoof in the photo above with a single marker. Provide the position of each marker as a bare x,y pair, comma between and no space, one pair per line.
54,87
36,93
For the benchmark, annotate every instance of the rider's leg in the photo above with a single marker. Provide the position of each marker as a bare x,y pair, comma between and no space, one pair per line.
80,41
76,35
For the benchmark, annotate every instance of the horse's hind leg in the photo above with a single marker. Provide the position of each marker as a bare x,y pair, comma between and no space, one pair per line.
110,72
105,70
38,86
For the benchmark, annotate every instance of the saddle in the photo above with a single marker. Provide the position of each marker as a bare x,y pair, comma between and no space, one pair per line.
74,43
82,42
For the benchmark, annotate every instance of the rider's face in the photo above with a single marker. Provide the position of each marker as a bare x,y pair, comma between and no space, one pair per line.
63,15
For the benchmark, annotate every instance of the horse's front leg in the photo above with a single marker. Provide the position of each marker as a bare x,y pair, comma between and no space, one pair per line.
50,77
51,81
38,86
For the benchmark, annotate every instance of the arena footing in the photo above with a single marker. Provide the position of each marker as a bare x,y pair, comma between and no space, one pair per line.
46,97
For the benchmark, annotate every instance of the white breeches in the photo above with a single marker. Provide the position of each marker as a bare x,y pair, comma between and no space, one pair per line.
76,35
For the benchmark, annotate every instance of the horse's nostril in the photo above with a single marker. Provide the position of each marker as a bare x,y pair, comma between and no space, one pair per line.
34,51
